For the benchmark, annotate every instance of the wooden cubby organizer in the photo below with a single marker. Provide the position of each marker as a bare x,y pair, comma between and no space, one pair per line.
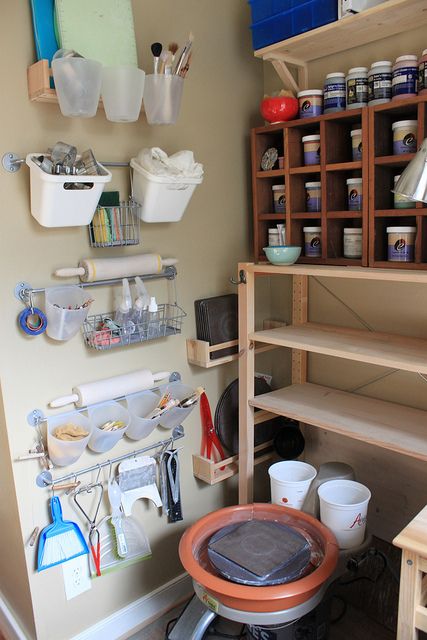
383,424
336,165
383,166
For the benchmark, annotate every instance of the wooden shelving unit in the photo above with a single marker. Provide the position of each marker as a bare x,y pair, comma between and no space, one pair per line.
383,166
336,165
384,424
387,19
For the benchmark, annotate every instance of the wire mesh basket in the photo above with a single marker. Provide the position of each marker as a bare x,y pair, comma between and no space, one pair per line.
101,332
115,226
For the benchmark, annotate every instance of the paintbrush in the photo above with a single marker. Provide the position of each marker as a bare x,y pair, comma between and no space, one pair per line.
156,50
185,68
173,48
183,57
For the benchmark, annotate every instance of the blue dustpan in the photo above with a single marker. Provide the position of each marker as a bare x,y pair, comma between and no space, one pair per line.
60,541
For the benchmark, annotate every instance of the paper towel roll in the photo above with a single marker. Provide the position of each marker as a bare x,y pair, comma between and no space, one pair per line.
109,388
93,269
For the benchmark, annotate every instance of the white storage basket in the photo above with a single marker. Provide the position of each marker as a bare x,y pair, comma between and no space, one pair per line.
161,199
54,205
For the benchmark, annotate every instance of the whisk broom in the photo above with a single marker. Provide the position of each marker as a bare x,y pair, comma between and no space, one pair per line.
60,541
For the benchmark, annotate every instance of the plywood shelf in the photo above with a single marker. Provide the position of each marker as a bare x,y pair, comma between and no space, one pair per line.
350,272
384,349
384,424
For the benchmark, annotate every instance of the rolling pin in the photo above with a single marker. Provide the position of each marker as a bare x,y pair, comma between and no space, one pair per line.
110,388
93,269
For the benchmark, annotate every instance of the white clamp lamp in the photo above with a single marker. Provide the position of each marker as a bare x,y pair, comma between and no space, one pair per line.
413,182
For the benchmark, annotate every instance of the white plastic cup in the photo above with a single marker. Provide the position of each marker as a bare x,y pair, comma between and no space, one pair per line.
290,481
162,98
63,323
140,405
175,416
101,440
122,89
343,508
78,86
65,452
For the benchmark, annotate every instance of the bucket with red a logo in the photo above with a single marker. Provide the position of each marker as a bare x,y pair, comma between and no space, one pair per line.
344,508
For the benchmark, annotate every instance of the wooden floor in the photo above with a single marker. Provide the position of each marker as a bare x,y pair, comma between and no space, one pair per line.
353,626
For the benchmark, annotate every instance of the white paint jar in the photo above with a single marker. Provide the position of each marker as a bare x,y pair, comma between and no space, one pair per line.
352,243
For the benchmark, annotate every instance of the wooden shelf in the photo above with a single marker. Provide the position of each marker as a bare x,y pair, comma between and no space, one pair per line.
199,353
310,168
384,424
344,166
397,213
384,349
274,173
395,161
351,215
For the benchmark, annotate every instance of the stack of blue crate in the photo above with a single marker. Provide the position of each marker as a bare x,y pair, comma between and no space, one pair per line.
276,20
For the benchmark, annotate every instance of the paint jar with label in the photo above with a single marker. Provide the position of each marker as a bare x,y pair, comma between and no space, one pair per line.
355,196
401,202
357,87
405,75
422,74
352,243
273,237
279,198
311,149
401,244
379,82
313,242
356,144
334,92
313,196
404,136
310,103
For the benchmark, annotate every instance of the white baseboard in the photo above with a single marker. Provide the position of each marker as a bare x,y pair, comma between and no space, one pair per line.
141,612
9,626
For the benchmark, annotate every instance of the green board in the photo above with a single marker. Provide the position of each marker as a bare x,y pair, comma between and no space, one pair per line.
100,30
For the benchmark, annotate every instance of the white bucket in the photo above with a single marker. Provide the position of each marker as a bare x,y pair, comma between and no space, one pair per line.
290,481
343,508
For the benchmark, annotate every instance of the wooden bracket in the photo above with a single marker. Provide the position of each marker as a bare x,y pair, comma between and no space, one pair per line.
280,64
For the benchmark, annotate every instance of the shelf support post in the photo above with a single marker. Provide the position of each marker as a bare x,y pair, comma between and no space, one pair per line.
246,385
299,316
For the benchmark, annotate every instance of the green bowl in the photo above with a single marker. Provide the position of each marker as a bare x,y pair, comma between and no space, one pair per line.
284,254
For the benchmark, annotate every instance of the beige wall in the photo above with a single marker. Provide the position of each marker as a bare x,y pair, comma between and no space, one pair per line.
219,107
398,483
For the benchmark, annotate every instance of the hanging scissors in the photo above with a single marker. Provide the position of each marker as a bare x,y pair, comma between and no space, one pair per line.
94,536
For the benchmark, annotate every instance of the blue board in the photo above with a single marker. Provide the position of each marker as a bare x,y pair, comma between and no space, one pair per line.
44,31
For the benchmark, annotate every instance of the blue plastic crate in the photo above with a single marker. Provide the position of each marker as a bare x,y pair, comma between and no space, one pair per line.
295,17
263,9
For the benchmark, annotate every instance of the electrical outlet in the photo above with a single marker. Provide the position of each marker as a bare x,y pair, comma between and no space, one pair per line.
76,576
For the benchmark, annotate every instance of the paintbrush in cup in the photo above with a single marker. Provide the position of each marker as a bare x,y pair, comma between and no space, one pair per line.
173,48
183,56
156,50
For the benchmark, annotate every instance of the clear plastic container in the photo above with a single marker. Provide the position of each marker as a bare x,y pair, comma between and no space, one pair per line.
379,82
65,452
63,322
355,194
78,86
177,415
162,98
313,242
356,144
140,405
357,88
122,89
101,440
405,75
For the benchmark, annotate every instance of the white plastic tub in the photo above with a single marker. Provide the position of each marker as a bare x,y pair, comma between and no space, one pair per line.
65,452
55,205
161,199
141,405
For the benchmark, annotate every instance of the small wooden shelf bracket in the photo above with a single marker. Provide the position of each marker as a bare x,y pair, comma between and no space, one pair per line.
280,63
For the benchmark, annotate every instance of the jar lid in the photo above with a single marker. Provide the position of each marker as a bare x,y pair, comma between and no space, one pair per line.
313,184
312,229
404,123
381,63
409,57
424,53
354,181
310,92
273,230
310,138
277,187
401,229
356,132
396,178
352,231
337,74
358,70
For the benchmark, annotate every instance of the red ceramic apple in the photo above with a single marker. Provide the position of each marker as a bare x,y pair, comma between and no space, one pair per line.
279,108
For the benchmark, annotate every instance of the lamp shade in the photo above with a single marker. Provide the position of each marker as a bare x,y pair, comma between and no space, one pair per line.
413,180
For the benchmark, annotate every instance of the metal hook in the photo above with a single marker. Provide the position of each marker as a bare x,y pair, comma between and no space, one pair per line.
30,299
98,474
242,278
110,470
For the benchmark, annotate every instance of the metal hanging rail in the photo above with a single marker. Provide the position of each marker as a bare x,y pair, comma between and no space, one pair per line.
12,162
45,479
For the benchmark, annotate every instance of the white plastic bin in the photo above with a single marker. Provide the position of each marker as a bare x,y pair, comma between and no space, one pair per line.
100,440
63,323
162,199
141,405
55,205
65,452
